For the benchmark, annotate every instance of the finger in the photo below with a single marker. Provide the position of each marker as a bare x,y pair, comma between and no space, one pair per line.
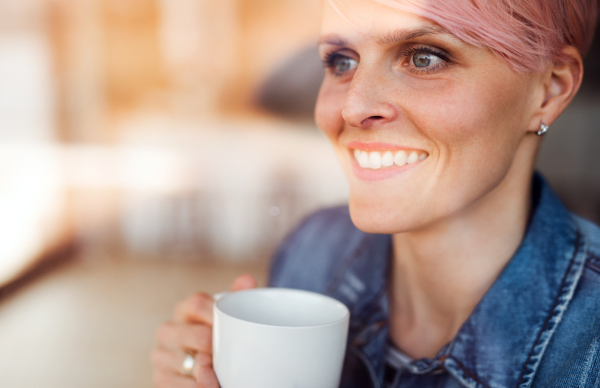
194,337
164,379
198,308
171,361
244,282
207,378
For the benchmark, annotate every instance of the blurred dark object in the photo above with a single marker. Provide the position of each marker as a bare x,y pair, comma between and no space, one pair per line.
591,64
291,89
46,263
569,156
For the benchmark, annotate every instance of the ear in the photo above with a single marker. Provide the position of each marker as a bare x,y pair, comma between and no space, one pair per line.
560,82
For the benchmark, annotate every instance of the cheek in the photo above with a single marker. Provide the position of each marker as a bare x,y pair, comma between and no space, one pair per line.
328,110
471,115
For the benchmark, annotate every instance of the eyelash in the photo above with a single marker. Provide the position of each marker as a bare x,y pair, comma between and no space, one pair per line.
329,60
424,49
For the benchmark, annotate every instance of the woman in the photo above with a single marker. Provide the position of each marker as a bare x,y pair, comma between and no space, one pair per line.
459,265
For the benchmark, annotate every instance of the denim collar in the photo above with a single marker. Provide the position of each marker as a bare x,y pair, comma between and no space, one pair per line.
503,340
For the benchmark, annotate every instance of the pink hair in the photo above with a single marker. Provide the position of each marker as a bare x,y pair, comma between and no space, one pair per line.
526,34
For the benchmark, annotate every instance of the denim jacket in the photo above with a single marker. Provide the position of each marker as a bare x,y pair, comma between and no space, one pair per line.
537,326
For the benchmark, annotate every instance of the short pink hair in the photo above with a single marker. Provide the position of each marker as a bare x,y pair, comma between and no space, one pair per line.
526,34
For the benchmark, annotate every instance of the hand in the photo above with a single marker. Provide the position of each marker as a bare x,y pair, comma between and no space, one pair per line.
190,331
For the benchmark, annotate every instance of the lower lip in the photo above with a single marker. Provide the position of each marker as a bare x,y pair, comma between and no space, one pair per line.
368,174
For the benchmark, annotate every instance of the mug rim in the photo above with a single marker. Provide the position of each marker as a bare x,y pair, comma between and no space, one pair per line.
288,290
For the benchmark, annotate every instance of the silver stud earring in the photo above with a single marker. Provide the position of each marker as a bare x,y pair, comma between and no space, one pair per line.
543,129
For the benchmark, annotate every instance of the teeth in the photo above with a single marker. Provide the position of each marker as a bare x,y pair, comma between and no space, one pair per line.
388,159
363,159
400,158
374,160
412,158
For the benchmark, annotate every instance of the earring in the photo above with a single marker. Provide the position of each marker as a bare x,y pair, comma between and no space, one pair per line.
543,129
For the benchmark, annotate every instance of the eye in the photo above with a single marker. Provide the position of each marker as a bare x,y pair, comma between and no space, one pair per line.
426,59
340,64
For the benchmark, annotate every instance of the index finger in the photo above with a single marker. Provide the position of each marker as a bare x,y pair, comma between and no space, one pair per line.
198,308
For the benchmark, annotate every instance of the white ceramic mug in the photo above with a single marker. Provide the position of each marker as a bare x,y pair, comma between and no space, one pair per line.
278,338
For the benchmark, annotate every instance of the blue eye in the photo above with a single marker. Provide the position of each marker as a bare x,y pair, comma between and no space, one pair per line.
425,59
422,59
339,64
342,64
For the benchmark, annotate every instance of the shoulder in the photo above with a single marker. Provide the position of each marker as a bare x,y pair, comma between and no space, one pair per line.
591,234
308,256
589,285
574,351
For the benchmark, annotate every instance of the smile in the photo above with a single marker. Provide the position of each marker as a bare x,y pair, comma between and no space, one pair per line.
376,160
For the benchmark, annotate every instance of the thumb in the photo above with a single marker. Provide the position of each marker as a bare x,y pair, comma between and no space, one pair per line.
243,282
207,378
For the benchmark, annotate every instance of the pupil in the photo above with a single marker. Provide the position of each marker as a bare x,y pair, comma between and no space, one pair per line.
421,60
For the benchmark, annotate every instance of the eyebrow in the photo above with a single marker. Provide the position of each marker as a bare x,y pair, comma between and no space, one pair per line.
390,38
399,36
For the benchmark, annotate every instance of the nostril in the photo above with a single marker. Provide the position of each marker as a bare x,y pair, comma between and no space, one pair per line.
371,120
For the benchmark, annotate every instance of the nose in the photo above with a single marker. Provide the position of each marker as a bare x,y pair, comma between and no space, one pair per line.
368,102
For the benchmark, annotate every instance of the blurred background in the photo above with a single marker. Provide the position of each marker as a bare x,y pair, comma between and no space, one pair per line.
153,148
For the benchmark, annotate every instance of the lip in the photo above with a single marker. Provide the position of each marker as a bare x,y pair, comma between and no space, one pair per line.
376,146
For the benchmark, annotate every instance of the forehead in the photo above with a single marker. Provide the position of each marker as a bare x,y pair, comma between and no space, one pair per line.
368,18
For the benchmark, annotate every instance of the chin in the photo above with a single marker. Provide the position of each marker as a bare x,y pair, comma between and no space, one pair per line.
372,216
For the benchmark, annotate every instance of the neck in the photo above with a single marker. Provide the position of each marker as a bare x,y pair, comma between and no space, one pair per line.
440,273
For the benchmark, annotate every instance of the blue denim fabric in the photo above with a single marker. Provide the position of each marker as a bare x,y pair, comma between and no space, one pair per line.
537,326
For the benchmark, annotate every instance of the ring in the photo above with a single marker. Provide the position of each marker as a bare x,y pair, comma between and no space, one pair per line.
188,364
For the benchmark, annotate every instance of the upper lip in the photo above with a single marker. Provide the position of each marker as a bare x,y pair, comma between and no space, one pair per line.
377,146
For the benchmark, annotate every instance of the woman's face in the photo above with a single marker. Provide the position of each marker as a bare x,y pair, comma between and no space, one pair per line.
424,125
